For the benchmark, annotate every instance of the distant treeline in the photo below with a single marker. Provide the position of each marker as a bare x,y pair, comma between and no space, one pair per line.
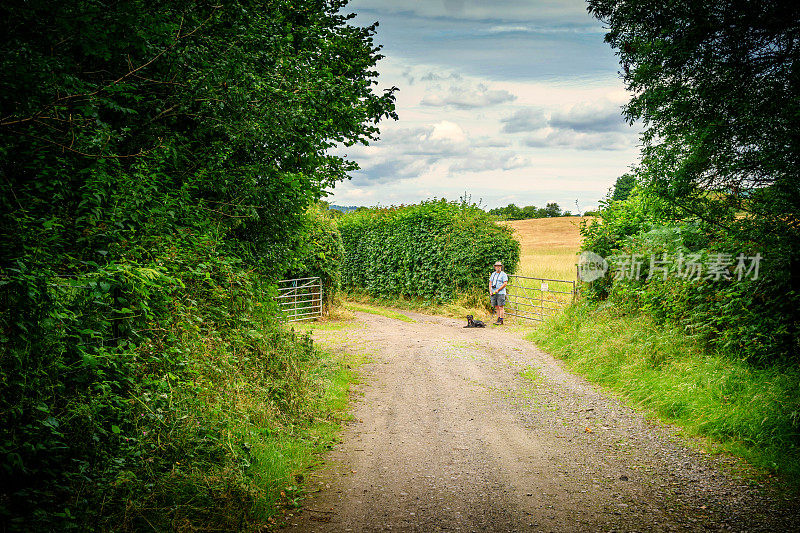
510,212
513,212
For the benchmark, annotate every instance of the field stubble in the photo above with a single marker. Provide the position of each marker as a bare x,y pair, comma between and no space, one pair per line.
548,246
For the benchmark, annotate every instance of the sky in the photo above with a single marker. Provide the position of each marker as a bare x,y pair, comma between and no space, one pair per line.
506,101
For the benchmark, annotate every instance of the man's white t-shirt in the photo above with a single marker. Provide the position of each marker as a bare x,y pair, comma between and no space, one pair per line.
497,279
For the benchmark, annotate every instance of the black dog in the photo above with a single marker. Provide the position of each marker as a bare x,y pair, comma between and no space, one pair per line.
472,323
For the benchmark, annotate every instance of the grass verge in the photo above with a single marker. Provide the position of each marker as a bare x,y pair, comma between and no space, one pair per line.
237,439
382,311
281,463
750,412
475,303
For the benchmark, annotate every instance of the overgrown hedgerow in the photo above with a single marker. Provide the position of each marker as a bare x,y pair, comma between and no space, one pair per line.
434,250
157,160
199,419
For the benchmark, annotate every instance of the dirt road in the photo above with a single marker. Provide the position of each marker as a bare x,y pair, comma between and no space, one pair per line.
478,430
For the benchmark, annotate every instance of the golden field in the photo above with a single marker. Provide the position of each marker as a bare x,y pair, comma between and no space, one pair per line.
548,246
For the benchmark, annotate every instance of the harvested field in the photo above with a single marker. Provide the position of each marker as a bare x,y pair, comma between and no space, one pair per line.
548,246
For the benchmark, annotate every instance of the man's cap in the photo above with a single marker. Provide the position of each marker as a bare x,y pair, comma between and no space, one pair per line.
498,263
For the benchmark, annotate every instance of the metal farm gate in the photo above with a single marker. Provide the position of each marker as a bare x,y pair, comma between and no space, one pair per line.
300,299
538,298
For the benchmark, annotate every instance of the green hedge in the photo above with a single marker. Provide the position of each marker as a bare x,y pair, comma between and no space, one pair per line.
435,249
320,253
750,319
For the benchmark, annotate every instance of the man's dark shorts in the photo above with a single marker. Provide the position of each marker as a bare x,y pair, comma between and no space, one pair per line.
498,300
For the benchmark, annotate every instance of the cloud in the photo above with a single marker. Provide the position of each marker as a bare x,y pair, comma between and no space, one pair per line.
481,162
394,169
518,28
590,116
594,125
466,97
517,161
435,76
503,10
561,138
407,153
528,119
442,139
556,38
491,142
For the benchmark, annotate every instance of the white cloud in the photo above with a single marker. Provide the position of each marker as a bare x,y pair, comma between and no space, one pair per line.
600,115
482,161
466,97
449,132
562,138
517,161
526,119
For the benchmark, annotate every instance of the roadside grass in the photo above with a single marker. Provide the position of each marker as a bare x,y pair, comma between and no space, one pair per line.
381,311
475,303
746,411
280,463
235,441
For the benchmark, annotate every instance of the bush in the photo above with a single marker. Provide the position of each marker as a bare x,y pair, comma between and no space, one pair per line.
435,249
751,319
320,253
150,395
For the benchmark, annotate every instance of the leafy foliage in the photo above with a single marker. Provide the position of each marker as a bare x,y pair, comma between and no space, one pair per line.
623,186
716,87
433,250
321,252
156,166
749,318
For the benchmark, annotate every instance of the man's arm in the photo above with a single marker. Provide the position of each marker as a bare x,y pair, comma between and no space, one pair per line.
503,286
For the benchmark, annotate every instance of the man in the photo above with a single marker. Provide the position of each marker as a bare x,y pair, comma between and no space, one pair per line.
497,289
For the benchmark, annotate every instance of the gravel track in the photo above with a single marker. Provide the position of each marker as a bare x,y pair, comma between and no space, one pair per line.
478,430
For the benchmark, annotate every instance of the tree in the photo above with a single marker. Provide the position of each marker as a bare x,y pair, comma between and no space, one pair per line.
529,211
716,86
137,138
623,186
552,210
131,116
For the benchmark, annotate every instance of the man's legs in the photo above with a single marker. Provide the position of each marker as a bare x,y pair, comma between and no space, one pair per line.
501,302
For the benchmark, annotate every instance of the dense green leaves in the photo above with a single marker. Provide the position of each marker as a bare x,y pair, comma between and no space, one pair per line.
745,318
156,165
716,86
320,252
433,250
135,117
623,186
